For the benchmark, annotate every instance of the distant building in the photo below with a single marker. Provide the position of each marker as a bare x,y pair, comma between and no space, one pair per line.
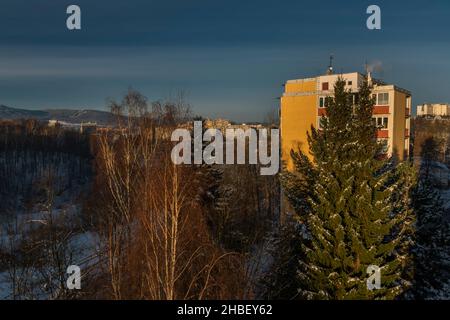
222,125
303,105
88,127
245,126
219,124
433,110
53,123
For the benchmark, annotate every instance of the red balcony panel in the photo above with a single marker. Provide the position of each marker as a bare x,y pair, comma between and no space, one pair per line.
406,133
322,112
407,113
381,110
382,133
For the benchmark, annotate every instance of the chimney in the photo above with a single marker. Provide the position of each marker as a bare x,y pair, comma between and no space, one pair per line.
369,78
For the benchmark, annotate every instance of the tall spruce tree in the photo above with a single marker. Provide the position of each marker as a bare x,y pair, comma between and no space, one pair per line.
344,197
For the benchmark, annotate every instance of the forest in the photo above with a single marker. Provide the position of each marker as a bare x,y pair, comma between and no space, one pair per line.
113,203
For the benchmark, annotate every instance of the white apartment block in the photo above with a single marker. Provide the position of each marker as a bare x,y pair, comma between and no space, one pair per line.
433,110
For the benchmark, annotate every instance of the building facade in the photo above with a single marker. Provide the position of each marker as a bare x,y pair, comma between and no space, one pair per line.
88,127
433,110
303,104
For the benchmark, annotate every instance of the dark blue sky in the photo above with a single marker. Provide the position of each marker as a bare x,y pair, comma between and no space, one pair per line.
230,57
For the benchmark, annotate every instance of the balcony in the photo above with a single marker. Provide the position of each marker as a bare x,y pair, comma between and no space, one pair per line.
382,134
406,133
376,110
381,110
321,112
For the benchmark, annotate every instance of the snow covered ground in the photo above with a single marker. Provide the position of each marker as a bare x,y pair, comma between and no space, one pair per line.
84,247
64,218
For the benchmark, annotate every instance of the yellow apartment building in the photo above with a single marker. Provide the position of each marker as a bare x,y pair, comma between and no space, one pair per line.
303,104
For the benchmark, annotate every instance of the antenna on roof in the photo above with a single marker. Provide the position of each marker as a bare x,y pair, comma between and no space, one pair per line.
330,67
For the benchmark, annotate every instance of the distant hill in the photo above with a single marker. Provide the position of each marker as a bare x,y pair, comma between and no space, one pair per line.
63,115
12,113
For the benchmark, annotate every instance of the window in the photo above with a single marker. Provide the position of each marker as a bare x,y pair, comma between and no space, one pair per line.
349,83
383,98
381,122
320,122
325,86
322,102
384,146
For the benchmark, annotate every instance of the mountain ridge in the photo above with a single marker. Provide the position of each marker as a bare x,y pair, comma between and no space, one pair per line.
73,116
